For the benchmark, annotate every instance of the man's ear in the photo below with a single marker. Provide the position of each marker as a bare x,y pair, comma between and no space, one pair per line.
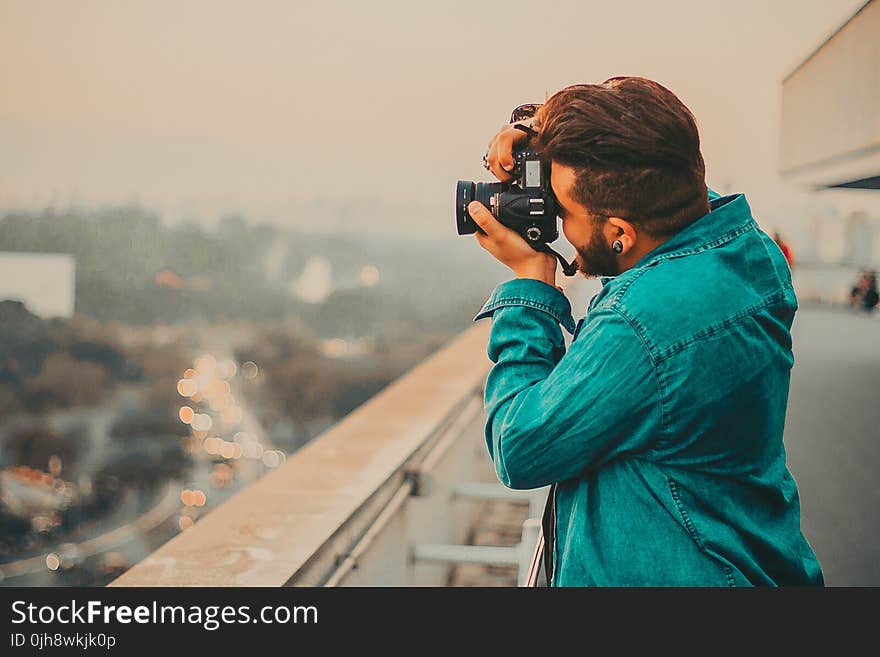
621,229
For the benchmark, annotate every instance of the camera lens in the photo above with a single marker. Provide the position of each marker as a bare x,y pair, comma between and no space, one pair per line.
464,194
467,191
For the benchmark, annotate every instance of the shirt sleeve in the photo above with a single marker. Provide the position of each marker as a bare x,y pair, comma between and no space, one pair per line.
550,414
533,294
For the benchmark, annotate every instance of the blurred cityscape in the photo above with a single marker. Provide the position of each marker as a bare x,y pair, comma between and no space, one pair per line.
148,372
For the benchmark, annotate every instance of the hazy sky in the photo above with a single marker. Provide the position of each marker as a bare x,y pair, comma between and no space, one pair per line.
196,108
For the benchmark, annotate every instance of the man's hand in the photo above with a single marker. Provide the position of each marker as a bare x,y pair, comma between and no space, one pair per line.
505,244
499,155
510,248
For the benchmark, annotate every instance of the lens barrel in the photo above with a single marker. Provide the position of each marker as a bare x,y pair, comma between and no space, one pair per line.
464,194
467,191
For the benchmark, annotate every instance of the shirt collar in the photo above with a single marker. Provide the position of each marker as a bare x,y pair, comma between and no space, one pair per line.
728,217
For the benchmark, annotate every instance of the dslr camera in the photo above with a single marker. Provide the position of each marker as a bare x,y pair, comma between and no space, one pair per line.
526,204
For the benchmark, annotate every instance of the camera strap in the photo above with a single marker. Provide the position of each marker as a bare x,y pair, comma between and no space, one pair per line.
526,128
568,268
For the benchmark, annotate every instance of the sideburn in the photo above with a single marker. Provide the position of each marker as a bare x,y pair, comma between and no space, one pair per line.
596,258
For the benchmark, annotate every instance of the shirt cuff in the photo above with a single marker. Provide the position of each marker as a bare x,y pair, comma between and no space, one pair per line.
533,294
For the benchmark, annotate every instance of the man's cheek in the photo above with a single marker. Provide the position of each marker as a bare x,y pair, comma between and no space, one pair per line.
565,230
568,229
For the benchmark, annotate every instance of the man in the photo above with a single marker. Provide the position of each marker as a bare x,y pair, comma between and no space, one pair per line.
661,428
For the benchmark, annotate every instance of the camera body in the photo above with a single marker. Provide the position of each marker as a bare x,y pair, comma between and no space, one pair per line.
526,204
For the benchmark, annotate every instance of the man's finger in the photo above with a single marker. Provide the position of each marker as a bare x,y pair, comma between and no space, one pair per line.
501,157
493,159
507,139
500,154
504,144
483,218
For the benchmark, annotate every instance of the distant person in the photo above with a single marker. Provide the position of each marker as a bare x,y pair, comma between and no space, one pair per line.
785,247
659,429
864,294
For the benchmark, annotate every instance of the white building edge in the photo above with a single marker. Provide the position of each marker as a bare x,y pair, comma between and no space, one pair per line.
830,131
44,282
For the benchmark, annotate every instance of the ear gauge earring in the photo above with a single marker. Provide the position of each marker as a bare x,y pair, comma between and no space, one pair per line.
617,246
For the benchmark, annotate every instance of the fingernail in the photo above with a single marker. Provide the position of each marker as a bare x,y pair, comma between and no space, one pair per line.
473,206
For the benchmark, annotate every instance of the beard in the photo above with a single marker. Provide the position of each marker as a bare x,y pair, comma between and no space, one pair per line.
596,258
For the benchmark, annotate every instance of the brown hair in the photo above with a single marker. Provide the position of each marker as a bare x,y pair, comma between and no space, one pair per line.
635,148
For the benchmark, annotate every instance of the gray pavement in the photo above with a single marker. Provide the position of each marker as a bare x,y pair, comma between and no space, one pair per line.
832,439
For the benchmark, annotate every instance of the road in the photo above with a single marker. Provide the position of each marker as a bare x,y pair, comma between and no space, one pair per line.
832,439
32,571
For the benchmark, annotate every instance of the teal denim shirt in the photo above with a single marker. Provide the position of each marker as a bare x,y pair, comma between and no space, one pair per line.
661,427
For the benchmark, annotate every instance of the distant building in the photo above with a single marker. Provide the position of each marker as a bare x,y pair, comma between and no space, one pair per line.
44,282
830,132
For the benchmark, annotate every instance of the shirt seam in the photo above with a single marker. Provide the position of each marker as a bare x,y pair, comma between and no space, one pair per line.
692,530
617,295
714,329
661,390
640,269
528,303
785,284
724,238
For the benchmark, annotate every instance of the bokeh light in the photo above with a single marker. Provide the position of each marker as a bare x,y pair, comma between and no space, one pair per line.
186,414
335,347
206,364
187,387
216,388
226,369
250,370
273,458
212,445
252,450
369,276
